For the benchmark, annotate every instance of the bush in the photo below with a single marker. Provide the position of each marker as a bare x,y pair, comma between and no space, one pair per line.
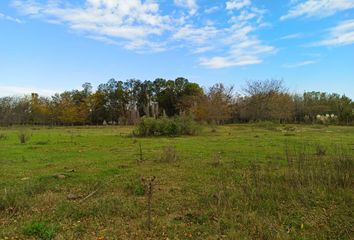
166,127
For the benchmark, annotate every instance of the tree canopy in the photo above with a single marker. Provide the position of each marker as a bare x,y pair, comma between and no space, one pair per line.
125,102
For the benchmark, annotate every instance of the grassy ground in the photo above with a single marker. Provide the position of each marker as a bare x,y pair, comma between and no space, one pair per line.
260,181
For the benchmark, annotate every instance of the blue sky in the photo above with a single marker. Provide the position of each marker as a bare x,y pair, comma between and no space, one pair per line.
48,46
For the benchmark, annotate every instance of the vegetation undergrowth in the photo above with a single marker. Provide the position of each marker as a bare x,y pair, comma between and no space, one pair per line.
166,127
39,230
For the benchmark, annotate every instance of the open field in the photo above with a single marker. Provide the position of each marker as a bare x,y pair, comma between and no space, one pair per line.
259,181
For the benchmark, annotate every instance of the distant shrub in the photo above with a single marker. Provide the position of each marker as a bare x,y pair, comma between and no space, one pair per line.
166,127
3,136
327,119
271,126
24,136
289,128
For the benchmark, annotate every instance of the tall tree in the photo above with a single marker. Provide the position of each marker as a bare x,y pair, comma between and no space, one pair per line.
215,106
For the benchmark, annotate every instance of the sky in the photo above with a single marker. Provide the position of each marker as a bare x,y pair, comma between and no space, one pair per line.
47,46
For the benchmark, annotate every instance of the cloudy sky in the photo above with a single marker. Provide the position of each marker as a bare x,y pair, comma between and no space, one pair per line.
51,45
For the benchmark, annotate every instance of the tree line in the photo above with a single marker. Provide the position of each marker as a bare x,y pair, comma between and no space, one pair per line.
125,102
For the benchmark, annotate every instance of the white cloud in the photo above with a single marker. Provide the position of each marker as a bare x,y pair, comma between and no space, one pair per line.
141,26
342,34
292,36
243,46
244,16
20,91
299,64
237,4
240,46
246,52
9,18
105,40
292,2
319,8
190,4
203,49
132,21
196,35
211,9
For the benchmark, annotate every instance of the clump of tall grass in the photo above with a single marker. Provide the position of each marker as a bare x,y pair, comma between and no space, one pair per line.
24,136
303,175
12,200
320,170
39,230
217,160
261,192
169,154
166,127
320,150
3,136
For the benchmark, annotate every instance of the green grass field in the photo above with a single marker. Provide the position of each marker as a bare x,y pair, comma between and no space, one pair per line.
260,181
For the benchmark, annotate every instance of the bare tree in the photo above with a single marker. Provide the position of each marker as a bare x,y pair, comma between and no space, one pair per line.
264,87
215,106
266,100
